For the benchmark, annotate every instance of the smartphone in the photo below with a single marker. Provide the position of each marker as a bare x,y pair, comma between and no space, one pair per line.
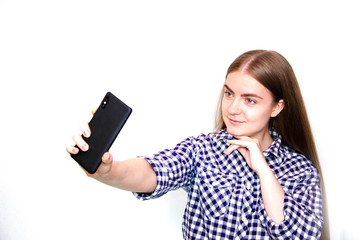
105,126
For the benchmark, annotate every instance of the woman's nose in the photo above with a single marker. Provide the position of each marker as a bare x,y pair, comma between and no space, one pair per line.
235,107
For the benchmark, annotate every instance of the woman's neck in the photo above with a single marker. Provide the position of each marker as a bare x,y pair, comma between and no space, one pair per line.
265,140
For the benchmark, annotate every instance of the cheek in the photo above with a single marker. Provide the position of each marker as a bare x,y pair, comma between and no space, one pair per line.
252,115
257,115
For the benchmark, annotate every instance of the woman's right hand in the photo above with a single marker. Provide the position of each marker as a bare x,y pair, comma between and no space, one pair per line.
136,175
107,158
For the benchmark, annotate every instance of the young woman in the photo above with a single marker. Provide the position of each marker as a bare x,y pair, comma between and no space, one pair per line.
256,177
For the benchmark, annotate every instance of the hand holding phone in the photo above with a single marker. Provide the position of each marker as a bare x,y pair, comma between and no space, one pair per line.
105,126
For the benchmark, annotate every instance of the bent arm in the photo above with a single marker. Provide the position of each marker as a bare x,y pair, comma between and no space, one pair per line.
271,190
303,218
273,195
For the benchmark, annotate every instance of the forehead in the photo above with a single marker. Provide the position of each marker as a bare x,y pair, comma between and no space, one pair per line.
240,82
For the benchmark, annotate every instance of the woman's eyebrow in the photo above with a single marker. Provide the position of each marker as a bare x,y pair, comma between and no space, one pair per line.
227,88
251,95
243,94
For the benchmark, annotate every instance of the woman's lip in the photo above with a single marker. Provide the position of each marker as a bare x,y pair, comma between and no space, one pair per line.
235,121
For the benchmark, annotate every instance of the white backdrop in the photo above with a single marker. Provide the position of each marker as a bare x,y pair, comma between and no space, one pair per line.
167,60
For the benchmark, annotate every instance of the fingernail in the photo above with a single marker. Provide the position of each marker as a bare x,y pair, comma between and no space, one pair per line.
86,133
84,147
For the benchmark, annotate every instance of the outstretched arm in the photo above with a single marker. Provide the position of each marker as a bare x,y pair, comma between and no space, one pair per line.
134,175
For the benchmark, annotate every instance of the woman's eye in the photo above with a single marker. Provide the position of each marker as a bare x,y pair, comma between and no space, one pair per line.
229,94
250,101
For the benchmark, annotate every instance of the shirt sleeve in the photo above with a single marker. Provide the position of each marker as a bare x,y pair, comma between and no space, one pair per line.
303,218
173,168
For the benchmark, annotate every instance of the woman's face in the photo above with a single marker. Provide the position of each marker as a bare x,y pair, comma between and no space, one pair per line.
247,106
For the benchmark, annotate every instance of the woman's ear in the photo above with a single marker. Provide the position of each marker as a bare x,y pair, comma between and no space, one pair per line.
277,108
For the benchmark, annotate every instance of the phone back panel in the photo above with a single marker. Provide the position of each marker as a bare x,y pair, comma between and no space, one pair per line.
105,125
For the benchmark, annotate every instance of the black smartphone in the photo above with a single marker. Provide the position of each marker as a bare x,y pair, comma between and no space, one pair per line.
105,125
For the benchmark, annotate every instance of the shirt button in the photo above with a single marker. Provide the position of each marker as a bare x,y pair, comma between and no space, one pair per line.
243,218
248,186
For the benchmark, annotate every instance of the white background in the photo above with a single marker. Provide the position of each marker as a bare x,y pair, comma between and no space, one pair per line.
167,60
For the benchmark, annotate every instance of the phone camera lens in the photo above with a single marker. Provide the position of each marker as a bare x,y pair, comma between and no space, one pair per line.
105,101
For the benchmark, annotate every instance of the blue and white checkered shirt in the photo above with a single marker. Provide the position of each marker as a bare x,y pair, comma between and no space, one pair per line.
224,195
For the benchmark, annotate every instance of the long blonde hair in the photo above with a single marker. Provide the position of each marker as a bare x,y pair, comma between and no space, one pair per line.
275,73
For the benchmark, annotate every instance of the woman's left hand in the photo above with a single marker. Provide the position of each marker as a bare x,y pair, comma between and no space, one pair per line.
271,190
251,150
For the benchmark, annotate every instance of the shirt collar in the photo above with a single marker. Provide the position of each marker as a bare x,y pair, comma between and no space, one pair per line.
222,135
275,151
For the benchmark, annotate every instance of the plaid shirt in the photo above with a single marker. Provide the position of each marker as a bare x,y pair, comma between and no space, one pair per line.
224,195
